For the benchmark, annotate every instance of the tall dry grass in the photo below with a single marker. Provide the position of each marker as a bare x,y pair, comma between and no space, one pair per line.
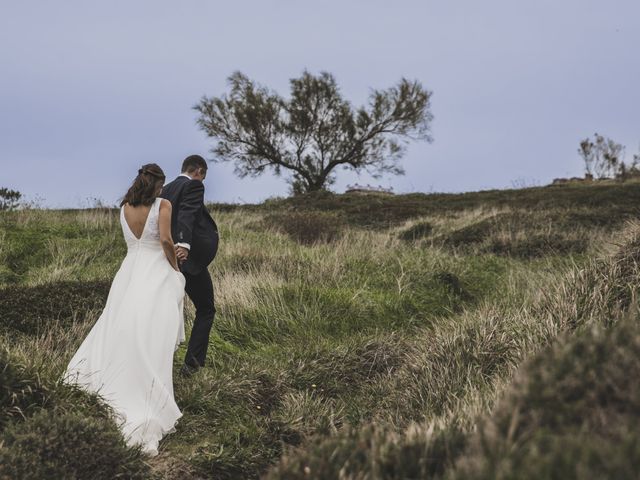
373,349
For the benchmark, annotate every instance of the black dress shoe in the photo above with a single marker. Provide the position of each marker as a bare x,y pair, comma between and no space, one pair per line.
187,370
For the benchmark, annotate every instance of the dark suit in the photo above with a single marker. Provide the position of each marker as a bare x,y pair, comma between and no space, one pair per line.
191,223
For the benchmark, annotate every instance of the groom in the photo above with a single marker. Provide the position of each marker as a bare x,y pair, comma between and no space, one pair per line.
196,237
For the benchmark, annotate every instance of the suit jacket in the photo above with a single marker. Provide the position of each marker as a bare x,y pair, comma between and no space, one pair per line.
191,222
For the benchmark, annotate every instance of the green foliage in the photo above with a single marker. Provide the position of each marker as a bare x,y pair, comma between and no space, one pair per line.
307,227
540,245
526,234
573,412
9,199
606,206
336,370
373,451
446,365
50,244
355,351
471,234
23,248
32,309
599,292
68,446
293,398
416,232
314,132
21,392
26,389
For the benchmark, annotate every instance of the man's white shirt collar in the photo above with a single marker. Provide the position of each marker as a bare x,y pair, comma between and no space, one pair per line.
185,175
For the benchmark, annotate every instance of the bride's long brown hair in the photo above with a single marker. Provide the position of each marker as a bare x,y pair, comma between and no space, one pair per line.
143,190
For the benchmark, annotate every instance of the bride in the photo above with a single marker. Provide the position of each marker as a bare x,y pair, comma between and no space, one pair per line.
127,357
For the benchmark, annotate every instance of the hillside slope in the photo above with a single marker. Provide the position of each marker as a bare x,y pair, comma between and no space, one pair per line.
374,336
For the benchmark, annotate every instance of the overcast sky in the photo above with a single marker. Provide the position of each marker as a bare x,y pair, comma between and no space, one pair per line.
92,90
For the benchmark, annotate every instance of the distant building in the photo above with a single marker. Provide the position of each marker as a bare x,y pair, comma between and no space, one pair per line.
368,189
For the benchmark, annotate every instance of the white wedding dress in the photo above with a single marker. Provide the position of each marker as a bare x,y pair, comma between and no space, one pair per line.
127,357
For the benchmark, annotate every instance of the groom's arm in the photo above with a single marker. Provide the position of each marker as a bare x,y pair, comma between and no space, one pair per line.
190,204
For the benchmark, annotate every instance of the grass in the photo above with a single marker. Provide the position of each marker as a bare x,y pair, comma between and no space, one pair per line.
372,337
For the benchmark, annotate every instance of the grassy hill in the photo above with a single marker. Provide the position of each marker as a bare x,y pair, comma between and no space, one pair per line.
481,335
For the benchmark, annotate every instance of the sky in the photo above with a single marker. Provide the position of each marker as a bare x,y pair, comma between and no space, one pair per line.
90,91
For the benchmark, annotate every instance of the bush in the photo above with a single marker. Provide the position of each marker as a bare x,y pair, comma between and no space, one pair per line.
597,293
24,392
469,235
21,393
337,372
307,227
613,204
30,309
573,412
534,246
524,234
454,284
304,414
68,446
374,451
445,366
416,232
9,199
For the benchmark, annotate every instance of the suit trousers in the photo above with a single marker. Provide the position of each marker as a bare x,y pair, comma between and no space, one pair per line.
199,287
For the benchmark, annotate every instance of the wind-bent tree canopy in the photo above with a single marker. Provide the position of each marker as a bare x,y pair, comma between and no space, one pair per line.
315,131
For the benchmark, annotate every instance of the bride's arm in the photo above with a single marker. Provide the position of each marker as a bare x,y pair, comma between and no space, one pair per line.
164,223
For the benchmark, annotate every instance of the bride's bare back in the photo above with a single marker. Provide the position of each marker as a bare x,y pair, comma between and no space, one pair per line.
136,218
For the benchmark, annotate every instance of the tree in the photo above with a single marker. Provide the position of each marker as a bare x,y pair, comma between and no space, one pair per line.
315,131
602,156
625,172
9,199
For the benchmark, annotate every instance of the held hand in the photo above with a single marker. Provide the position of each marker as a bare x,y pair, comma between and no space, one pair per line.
182,254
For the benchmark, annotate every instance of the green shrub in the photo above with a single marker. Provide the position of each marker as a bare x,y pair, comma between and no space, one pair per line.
307,227
492,227
599,292
469,235
68,446
9,199
305,414
573,412
456,287
446,365
246,262
243,458
23,249
24,392
523,235
375,452
536,245
416,232
228,418
21,393
6,274
30,309
594,205
345,367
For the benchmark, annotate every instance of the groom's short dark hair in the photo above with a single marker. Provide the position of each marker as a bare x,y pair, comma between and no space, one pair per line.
193,162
